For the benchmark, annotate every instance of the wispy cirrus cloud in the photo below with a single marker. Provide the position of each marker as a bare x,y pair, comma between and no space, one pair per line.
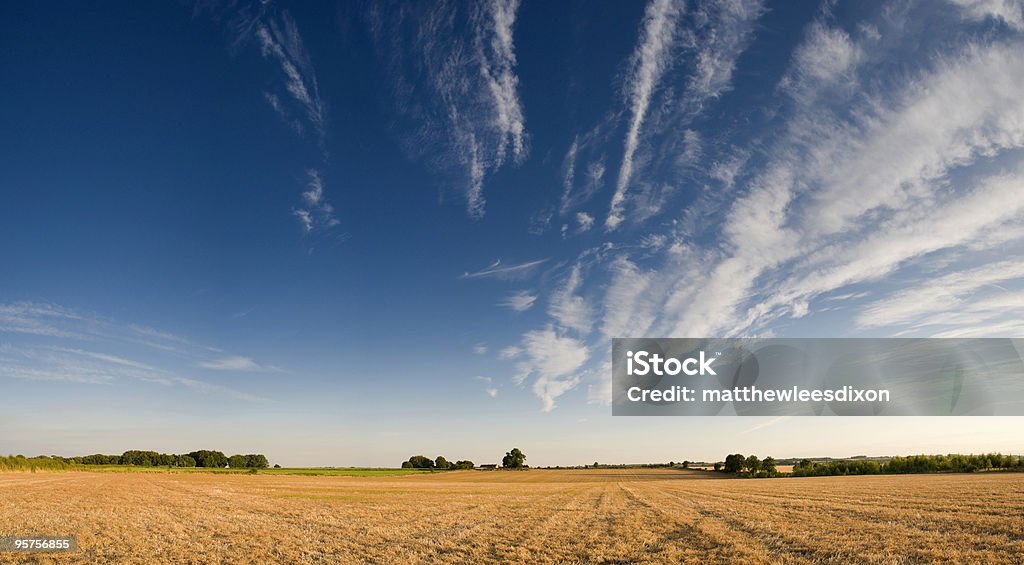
37,319
552,360
45,363
865,179
469,120
295,97
720,32
279,40
826,56
840,235
965,300
502,271
705,44
490,389
520,301
232,363
315,212
583,167
653,55
54,343
1010,12
567,308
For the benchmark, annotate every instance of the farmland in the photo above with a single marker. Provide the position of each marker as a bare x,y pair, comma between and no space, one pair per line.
575,516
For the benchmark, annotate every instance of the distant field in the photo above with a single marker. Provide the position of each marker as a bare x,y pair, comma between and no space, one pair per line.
573,516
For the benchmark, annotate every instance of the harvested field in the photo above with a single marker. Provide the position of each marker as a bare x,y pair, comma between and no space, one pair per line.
580,516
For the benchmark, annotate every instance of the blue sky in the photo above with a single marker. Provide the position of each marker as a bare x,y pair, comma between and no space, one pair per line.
341,234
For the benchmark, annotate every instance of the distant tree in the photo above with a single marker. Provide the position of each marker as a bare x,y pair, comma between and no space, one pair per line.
421,462
441,463
205,458
718,466
595,464
276,466
514,459
686,464
256,461
98,459
768,465
237,461
464,464
406,464
184,461
752,464
734,463
141,458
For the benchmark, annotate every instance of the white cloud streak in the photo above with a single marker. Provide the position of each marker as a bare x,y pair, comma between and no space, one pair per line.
498,270
963,299
280,41
920,177
54,343
569,309
706,44
233,363
650,60
1010,12
520,301
584,221
316,212
497,65
468,114
722,32
552,360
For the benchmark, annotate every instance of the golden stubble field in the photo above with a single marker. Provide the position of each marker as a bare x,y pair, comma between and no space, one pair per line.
584,516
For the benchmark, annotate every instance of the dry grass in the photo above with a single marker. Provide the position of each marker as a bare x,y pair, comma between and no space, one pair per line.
584,516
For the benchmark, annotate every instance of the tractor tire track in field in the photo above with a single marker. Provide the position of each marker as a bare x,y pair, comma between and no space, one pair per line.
874,521
714,535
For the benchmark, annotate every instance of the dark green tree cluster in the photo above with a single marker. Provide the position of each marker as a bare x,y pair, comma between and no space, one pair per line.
439,463
953,463
750,466
140,458
418,462
250,461
514,459
205,458
135,457
98,459
147,459
808,468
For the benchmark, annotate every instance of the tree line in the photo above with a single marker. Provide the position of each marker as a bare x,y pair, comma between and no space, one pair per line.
952,463
139,458
750,466
440,463
514,459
